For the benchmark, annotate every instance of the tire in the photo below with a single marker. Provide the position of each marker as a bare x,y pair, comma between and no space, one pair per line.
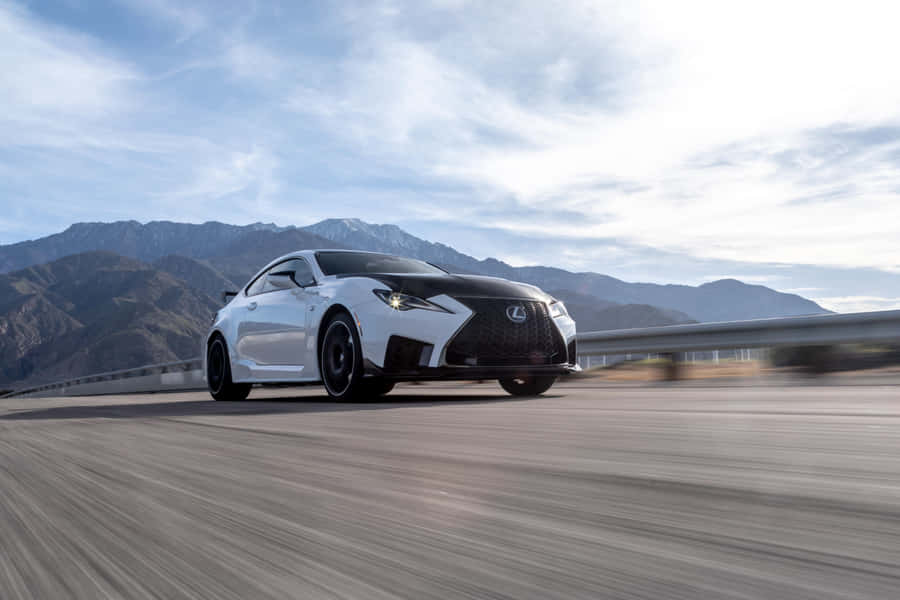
528,386
378,387
340,360
218,374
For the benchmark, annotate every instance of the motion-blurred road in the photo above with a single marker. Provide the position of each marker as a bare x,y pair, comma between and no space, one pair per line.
455,491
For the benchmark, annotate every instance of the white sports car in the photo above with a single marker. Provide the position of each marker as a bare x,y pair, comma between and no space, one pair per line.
360,321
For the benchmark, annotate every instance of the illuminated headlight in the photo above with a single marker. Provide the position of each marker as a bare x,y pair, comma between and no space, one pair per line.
399,301
557,309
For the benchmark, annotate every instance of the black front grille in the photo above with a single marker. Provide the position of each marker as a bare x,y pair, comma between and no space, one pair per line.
490,338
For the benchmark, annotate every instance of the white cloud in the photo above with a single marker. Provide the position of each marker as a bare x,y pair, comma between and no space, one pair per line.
398,94
245,176
756,279
253,61
847,304
691,114
51,75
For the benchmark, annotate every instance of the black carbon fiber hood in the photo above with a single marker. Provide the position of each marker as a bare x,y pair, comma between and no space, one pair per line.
426,286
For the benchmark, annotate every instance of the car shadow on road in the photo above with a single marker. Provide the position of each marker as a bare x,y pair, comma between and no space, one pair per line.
280,405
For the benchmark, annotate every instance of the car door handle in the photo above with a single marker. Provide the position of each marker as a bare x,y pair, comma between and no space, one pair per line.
251,306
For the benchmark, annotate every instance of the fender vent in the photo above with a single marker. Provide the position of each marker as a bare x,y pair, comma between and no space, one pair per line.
406,354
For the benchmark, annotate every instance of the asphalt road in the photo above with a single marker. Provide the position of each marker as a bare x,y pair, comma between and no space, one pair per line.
455,492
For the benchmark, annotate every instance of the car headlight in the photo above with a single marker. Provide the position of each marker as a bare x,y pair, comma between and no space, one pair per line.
399,301
557,309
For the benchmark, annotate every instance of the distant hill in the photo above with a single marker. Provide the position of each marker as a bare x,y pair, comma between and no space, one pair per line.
591,314
146,242
197,273
723,300
236,252
95,312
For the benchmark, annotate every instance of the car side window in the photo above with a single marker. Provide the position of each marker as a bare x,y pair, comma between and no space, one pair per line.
257,286
302,276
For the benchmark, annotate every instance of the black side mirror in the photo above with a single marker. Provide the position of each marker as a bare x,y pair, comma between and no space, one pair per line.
227,295
282,280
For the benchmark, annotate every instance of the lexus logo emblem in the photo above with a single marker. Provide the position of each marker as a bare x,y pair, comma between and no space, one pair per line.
516,313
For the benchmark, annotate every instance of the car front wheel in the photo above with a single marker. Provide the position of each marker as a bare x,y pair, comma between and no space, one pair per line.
218,374
528,386
341,359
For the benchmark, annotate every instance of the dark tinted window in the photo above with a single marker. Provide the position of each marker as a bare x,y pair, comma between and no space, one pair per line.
341,263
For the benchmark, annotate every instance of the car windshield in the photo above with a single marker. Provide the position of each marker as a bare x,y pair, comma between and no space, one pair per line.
343,263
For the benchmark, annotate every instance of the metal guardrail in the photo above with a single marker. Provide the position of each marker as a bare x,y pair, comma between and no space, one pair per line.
178,375
815,330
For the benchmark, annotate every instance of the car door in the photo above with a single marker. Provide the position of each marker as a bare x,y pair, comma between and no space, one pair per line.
272,334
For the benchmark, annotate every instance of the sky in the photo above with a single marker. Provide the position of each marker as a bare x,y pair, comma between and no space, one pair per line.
653,141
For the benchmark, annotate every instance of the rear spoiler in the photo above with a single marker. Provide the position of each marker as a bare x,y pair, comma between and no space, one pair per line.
227,296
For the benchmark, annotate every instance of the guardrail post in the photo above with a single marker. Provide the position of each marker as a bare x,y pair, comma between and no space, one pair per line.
672,368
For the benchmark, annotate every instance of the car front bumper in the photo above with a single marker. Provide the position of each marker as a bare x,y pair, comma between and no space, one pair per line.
448,373
412,345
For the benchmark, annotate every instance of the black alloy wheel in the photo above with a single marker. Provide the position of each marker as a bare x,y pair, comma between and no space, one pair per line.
532,385
341,359
218,374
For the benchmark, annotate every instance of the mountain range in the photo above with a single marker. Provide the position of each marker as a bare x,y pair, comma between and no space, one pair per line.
93,312
104,296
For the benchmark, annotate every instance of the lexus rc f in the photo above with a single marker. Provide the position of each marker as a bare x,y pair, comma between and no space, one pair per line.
358,322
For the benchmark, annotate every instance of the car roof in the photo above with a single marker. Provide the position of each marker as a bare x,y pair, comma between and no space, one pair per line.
311,253
316,250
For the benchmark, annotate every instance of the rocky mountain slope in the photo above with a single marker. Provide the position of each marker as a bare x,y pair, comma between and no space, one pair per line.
197,273
95,312
146,242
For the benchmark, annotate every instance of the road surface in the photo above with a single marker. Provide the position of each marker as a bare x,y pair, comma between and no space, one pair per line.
455,491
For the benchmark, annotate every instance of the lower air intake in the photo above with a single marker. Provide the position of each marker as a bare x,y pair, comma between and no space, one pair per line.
405,354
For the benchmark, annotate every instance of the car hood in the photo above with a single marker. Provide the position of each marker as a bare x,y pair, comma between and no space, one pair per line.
427,286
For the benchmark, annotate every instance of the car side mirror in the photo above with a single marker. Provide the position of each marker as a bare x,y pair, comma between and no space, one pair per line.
310,281
283,280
